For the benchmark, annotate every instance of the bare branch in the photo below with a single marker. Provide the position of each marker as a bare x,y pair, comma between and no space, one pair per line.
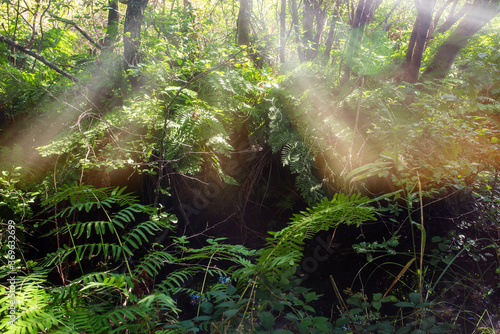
84,34
38,57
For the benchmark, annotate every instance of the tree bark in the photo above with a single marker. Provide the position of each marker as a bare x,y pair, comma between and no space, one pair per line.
307,23
418,39
38,57
132,35
320,14
331,32
295,23
282,31
453,18
481,12
243,25
112,26
313,12
435,21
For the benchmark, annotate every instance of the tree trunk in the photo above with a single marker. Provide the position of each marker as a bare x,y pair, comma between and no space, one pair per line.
295,23
307,24
331,32
416,46
435,21
481,12
243,25
282,31
313,12
363,15
132,35
320,13
453,18
112,26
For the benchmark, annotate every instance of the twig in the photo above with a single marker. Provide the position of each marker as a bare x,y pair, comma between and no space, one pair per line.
339,297
38,57
72,23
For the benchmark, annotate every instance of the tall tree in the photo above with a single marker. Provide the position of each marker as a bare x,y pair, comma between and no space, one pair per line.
362,16
480,13
243,24
418,39
295,23
132,34
331,32
112,26
282,30
314,12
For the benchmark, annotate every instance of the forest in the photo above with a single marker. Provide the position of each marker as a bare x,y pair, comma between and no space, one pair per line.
251,166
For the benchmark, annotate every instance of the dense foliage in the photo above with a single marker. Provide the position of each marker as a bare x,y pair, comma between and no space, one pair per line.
250,166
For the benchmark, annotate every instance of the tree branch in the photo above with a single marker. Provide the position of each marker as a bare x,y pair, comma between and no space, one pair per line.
38,57
84,34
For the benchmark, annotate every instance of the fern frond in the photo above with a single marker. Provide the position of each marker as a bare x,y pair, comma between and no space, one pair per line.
177,279
285,247
159,300
120,319
154,261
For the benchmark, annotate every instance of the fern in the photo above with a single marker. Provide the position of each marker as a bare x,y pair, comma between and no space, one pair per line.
285,247
154,261
295,153
121,209
111,302
33,309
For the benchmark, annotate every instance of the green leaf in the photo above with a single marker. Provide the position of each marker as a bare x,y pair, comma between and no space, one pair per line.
230,313
354,300
310,297
207,307
427,323
231,290
309,308
356,310
415,297
342,322
322,324
226,304
404,330
275,305
390,298
187,324
267,320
